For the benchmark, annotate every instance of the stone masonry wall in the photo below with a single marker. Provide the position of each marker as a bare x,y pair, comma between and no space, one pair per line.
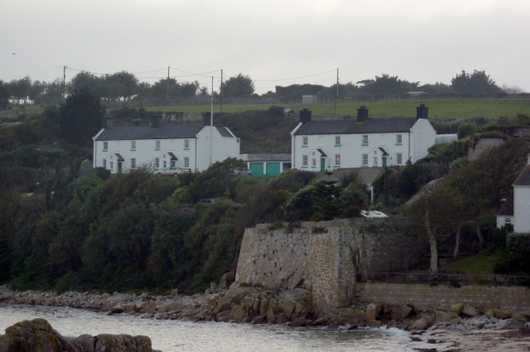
325,257
516,299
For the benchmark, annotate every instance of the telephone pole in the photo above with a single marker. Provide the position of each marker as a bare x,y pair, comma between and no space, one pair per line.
64,82
167,83
211,125
221,93
337,92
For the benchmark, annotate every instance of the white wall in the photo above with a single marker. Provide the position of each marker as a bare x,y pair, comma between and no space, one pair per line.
223,147
501,221
521,209
350,150
423,136
145,154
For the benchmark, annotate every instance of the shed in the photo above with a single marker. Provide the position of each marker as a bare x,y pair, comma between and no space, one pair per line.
267,164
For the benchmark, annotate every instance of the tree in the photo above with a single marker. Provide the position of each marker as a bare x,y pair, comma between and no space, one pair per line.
238,86
4,95
80,117
385,86
476,84
87,81
20,88
121,85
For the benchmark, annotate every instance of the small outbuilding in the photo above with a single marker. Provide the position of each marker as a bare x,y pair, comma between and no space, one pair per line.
267,164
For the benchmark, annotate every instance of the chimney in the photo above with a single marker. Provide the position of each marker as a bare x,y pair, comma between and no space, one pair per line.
206,118
422,112
305,115
362,113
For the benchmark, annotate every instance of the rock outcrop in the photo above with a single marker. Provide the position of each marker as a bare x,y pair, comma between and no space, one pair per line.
39,336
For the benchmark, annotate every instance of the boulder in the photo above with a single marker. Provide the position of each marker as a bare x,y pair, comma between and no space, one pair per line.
457,308
39,336
239,314
469,311
422,323
400,312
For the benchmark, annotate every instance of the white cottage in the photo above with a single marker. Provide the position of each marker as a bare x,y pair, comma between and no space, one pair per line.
519,215
170,149
330,144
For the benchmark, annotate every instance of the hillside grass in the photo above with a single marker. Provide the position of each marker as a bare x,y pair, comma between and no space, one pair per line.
483,263
438,108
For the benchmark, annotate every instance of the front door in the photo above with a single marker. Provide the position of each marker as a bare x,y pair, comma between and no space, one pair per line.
120,166
322,164
384,158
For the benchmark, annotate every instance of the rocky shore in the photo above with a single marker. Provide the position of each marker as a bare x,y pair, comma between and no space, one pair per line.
448,330
39,336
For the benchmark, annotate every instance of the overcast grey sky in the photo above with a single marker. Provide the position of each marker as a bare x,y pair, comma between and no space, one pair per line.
273,40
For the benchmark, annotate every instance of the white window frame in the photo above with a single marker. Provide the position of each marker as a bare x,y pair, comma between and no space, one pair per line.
157,145
399,158
186,162
186,144
337,141
133,146
365,160
133,163
305,160
399,139
337,160
157,163
365,140
305,141
105,146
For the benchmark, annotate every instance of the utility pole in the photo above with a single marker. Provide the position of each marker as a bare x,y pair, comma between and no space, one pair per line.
64,82
211,125
337,92
167,83
221,93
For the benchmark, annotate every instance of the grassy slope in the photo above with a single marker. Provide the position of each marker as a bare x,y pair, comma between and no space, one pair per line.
483,263
439,108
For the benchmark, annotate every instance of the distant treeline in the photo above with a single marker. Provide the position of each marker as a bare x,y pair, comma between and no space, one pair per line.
125,86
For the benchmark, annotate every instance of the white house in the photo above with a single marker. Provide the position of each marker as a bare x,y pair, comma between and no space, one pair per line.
519,217
331,144
169,149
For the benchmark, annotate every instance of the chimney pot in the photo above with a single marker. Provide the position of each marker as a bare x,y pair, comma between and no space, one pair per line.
305,115
362,113
422,112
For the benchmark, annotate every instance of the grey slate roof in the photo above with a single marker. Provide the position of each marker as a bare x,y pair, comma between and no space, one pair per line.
165,132
524,177
352,126
267,157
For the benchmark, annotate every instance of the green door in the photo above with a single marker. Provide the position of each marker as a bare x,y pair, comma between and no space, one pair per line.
273,168
256,169
322,164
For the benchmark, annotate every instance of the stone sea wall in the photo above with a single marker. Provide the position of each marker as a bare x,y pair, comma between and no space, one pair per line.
326,257
428,297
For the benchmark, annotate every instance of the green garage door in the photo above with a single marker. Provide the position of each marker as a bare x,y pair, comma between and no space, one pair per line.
273,168
256,169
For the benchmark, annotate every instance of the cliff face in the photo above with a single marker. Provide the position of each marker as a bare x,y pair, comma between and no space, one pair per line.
325,257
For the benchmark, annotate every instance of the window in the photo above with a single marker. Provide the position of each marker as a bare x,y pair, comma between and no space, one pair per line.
314,162
399,158
305,141
133,163
157,163
399,139
133,145
365,140
186,144
337,159
337,141
104,163
507,221
157,145
304,160
186,162
365,159
105,146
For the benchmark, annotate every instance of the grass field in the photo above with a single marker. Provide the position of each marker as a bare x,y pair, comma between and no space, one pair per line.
439,108
483,263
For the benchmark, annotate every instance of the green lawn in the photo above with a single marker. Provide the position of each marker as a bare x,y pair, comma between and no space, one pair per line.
483,263
439,108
